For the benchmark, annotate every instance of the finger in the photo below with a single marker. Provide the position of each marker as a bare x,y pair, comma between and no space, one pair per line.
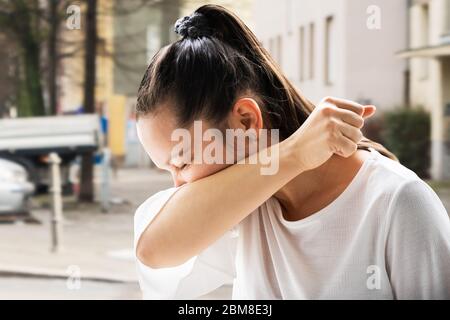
350,132
369,111
350,118
345,104
346,147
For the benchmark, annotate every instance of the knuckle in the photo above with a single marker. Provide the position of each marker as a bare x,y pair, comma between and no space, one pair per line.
331,125
330,139
351,149
328,99
348,149
360,122
359,109
327,111
346,153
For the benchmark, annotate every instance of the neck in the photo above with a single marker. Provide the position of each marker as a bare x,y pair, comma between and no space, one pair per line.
315,189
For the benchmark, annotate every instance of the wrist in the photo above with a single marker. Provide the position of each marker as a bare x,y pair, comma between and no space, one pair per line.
289,157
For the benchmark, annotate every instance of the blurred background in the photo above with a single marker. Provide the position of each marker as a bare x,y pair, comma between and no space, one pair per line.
72,171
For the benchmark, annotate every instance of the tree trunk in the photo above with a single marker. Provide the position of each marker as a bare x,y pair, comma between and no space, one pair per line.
87,167
53,57
31,101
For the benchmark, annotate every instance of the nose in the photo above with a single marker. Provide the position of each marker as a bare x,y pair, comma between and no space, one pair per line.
177,181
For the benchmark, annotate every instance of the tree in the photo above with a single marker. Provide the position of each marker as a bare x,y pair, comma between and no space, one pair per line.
54,22
21,18
91,40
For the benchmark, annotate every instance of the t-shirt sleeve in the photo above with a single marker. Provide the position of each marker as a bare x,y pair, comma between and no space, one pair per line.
199,275
418,244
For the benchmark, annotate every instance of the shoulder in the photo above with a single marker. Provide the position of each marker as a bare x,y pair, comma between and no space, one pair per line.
400,190
386,177
413,216
410,202
415,204
146,212
391,171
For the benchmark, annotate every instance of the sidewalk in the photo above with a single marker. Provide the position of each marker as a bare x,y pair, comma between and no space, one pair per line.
95,244
99,245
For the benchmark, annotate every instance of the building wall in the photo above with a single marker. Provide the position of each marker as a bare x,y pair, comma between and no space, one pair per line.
363,61
430,77
440,117
283,20
373,72
425,32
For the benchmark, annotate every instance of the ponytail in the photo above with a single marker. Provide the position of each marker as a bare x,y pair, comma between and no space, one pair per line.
236,33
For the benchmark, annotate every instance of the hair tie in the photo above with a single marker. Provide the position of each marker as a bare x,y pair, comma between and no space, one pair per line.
193,26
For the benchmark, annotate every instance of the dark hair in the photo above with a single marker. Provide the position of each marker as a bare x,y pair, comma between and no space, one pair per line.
217,59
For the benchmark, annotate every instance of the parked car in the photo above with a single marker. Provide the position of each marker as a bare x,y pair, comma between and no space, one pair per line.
15,189
28,142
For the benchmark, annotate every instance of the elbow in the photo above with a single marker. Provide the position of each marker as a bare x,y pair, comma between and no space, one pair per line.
149,257
156,259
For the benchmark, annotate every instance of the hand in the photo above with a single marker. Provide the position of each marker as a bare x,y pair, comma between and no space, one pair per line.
334,127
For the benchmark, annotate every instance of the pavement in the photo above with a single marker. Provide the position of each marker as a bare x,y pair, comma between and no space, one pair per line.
96,247
99,244
23,288
96,259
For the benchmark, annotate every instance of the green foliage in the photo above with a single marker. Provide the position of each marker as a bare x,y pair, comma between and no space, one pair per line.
406,132
22,19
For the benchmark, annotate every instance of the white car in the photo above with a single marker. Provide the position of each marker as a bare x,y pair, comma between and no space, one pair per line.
15,189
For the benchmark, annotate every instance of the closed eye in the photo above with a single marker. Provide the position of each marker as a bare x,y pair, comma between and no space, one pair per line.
184,166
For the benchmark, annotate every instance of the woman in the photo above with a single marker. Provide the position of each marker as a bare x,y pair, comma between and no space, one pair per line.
337,220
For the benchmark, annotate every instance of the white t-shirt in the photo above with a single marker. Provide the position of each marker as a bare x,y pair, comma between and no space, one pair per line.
387,236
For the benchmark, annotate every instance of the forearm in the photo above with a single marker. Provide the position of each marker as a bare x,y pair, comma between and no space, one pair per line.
199,213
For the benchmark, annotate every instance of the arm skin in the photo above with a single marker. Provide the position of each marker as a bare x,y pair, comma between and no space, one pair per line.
194,219
191,221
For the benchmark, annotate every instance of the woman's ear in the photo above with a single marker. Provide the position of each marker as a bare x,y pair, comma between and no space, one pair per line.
246,114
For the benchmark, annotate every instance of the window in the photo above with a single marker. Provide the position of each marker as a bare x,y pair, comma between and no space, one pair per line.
329,51
302,53
311,50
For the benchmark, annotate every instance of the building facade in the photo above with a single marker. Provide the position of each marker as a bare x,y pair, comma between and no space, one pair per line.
343,48
428,54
